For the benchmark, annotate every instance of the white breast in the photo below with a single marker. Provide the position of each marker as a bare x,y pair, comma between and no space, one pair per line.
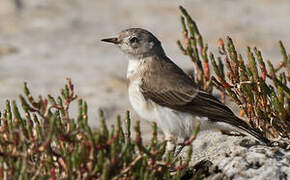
144,108
138,102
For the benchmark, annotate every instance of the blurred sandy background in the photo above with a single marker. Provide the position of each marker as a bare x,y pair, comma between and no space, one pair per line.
45,41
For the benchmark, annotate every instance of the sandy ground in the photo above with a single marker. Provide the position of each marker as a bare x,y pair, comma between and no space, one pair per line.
52,40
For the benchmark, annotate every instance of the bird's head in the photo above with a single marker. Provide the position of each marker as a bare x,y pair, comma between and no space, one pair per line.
137,43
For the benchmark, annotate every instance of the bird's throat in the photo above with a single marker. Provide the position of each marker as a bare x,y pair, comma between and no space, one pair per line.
133,67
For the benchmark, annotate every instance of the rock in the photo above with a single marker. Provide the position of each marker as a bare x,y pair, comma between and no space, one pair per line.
256,162
253,162
235,157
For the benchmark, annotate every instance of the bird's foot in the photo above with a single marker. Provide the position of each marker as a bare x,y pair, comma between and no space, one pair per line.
177,150
180,146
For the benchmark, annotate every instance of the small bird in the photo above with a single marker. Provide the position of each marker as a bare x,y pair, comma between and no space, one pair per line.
160,91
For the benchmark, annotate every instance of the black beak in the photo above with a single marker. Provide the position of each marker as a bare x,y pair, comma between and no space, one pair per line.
111,40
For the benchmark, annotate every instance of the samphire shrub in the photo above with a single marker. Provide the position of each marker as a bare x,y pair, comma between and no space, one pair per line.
261,92
45,142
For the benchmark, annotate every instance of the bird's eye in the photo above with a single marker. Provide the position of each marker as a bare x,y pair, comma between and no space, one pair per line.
133,40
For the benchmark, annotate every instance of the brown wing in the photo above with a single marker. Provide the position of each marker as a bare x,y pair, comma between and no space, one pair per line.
173,88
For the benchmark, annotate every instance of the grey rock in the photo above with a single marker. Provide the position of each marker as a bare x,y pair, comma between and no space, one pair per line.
245,158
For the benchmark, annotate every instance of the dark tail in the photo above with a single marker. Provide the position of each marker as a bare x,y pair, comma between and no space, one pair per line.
255,133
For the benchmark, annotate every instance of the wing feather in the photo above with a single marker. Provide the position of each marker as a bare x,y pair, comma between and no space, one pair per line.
173,88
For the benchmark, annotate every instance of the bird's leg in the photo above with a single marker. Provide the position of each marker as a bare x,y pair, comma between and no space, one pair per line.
178,149
187,142
180,146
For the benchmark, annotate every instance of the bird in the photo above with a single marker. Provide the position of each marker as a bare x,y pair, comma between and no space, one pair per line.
161,92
